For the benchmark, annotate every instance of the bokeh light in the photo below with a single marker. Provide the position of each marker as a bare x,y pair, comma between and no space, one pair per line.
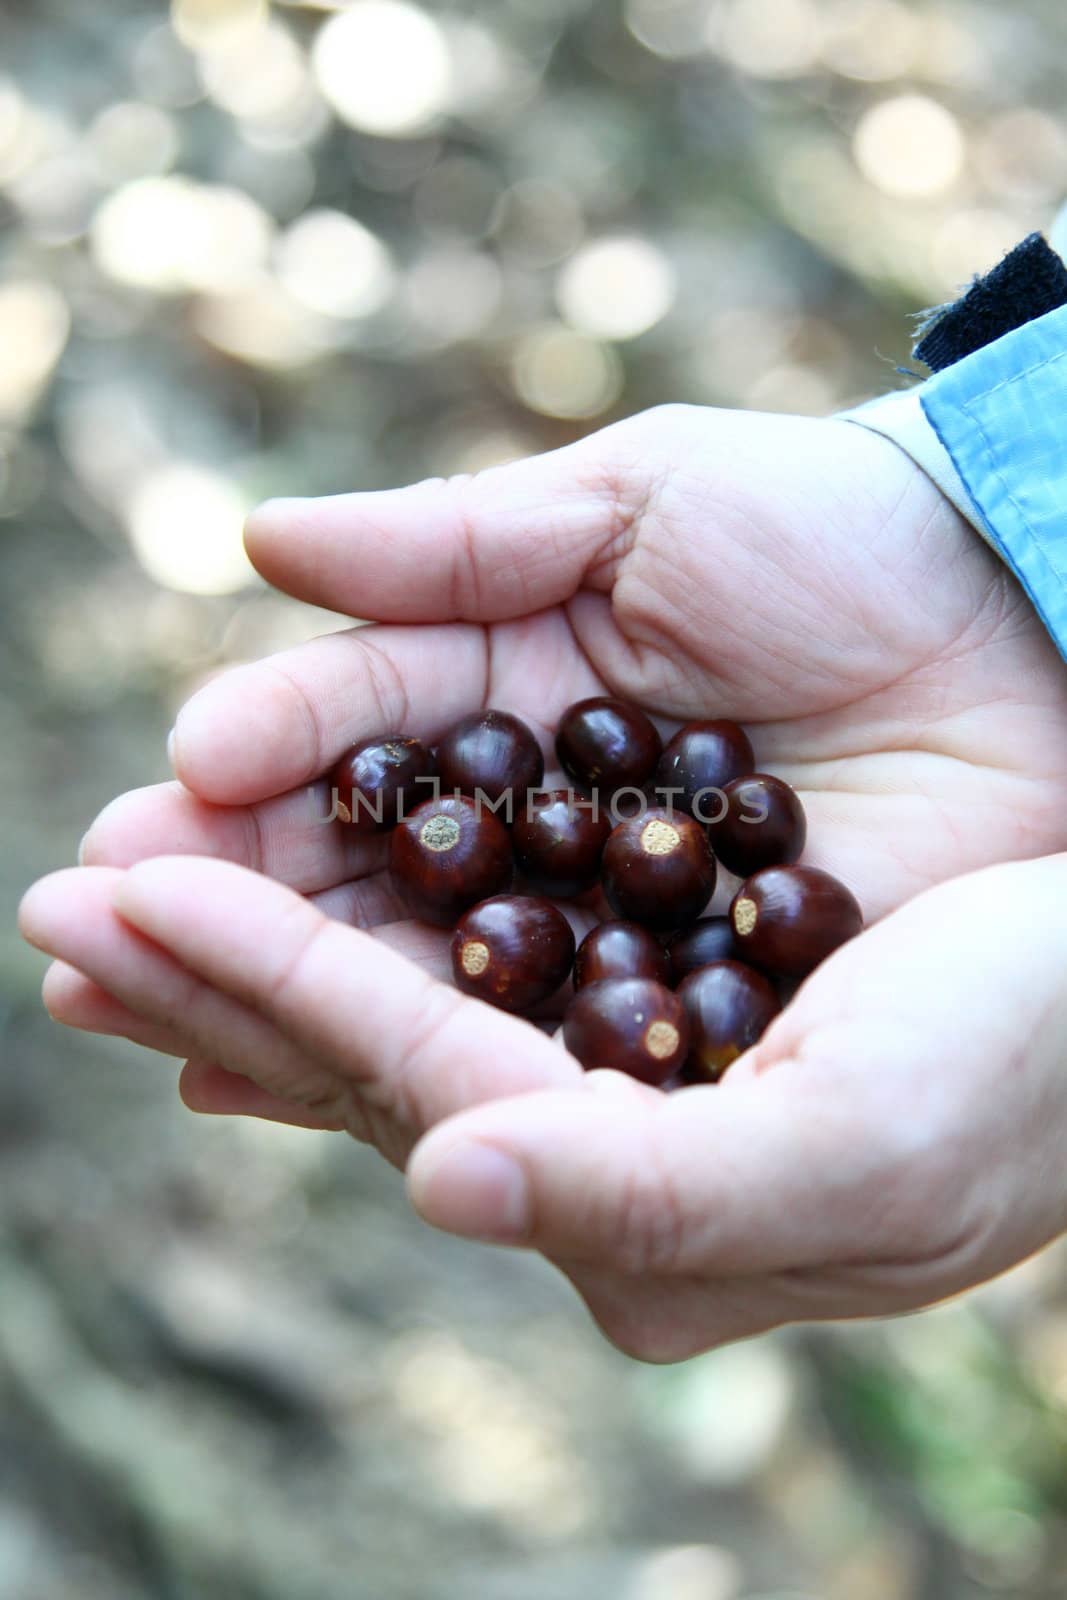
56,194
616,288
735,1415
497,1448
452,293
202,24
331,263
768,38
674,29
256,78
872,41
132,140
29,136
909,146
172,234
264,325
688,1572
34,328
563,374
185,525
490,83
384,66
164,70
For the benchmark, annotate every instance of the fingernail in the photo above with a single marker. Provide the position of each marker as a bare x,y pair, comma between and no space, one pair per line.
477,1191
170,745
81,850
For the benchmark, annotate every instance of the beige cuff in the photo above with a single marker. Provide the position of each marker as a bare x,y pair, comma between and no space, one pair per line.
900,417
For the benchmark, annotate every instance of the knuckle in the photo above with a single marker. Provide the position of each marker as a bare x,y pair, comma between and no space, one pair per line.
385,685
307,713
283,987
410,1076
467,578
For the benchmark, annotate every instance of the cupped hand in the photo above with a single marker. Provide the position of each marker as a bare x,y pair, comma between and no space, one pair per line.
896,1137
804,577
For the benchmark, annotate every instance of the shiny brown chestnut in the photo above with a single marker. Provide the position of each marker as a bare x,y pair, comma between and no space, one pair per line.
787,920
620,950
703,756
379,780
559,838
711,939
606,744
658,869
633,1025
494,752
513,951
764,825
729,1007
449,854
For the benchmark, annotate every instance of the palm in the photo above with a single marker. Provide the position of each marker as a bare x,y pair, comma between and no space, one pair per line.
887,664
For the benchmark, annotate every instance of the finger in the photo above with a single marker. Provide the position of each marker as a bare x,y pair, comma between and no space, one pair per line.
411,1047
276,725
721,1181
77,1002
511,541
84,927
285,837
70,916
211,1091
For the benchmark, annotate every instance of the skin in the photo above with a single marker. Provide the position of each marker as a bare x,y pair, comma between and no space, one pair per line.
897,1135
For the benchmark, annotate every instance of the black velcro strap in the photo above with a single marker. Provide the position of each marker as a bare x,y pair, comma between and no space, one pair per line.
1030,281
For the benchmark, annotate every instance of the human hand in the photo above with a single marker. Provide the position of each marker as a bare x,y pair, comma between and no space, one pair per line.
896,1137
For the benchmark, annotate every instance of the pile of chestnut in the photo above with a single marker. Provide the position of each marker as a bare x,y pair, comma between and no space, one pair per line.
662,993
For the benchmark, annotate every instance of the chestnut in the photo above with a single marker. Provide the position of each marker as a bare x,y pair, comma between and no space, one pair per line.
764,825
379,780
607,744
559,838
633,1025
513,951
789,919
494,752
620,950
711,939
449,854
658,869
703,755
728,1007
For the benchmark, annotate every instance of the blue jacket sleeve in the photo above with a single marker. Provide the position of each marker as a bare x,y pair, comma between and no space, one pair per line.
1001,416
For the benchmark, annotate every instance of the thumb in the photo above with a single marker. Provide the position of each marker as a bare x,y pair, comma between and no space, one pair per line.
729,1180
504,543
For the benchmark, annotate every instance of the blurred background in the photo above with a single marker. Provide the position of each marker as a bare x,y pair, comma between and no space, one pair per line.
249,249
